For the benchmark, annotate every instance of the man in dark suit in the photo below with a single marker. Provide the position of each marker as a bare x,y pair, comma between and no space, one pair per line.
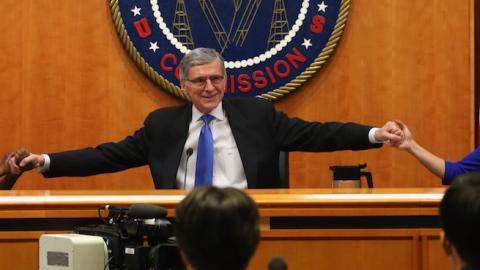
247,136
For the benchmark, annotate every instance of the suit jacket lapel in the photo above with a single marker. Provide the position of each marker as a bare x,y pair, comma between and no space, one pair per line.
179,133
244,138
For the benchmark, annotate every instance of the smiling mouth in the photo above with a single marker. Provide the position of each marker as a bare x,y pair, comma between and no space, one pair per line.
209,97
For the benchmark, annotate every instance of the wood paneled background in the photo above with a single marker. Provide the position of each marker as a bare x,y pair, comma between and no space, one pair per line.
66,82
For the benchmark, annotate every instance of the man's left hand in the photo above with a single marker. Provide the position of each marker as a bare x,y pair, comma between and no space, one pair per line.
391,134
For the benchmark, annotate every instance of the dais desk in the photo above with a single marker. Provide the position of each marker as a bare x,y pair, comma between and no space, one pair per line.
311,228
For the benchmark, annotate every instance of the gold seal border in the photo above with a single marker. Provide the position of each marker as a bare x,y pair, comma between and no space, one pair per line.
273,95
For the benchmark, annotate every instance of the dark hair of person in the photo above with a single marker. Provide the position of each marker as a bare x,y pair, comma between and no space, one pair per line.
460,217
217,228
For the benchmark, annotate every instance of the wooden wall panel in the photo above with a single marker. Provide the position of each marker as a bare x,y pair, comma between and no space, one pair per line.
67,82
397,60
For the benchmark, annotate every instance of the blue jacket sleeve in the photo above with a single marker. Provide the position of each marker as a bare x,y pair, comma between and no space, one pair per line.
468,164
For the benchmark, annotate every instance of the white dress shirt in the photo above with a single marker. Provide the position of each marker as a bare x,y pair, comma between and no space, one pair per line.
227,165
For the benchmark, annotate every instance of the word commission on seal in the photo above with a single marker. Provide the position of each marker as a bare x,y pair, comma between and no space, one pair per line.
270,47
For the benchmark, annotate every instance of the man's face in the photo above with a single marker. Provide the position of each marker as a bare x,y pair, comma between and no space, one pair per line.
205,85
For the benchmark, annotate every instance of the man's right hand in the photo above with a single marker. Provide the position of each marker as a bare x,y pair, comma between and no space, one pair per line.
23,161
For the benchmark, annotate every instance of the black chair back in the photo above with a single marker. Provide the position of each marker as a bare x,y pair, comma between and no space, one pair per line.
284,170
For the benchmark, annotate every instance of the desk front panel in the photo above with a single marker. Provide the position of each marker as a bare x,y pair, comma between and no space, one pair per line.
310,228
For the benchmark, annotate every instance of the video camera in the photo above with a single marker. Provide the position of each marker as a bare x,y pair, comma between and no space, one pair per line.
137,238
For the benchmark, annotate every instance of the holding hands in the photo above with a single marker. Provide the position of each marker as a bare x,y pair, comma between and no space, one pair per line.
432,162
408,143
391,133
24,161
8,177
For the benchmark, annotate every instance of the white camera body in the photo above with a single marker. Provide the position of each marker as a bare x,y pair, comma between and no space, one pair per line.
72,252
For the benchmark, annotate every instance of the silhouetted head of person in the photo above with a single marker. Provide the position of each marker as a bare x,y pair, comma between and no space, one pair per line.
217,228
460,221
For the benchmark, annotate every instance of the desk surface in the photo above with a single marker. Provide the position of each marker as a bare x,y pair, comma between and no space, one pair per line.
272,202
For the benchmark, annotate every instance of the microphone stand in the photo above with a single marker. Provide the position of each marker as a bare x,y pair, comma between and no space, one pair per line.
189,153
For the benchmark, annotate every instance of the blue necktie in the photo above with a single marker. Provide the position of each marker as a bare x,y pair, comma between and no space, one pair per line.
204,167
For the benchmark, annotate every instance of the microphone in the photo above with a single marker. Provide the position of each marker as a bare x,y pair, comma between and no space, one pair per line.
277,263
146,211
189,153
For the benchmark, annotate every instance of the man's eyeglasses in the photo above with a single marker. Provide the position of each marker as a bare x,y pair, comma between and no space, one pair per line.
201,82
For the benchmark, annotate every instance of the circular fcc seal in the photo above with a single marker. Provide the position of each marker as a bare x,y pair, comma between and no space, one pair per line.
270,47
